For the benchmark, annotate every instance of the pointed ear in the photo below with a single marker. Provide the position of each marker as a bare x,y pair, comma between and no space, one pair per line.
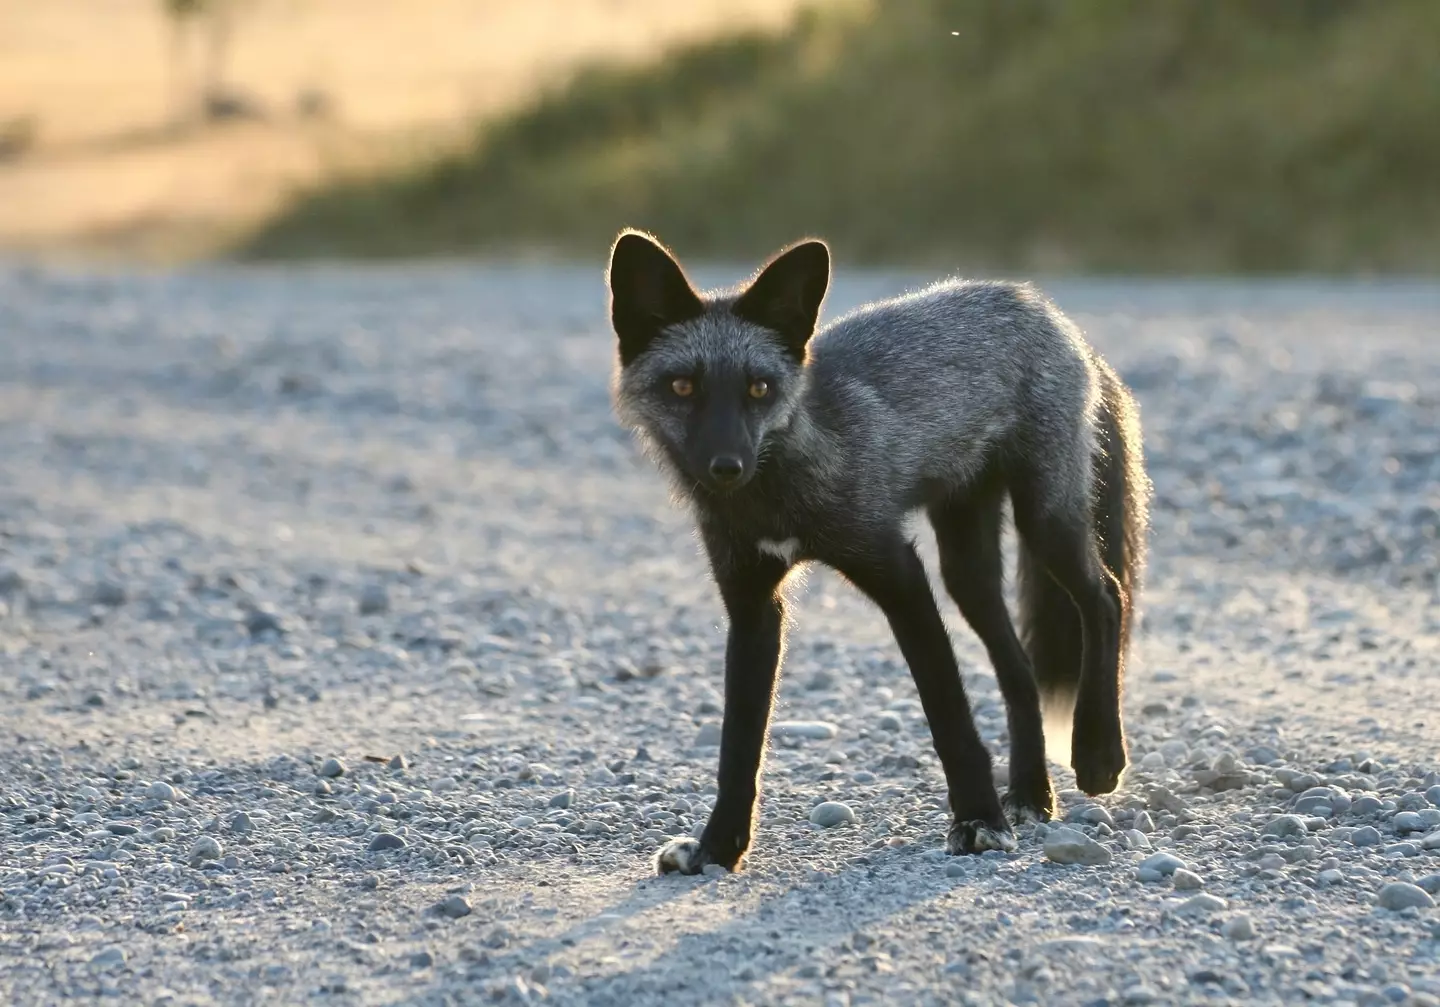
786,296
648,293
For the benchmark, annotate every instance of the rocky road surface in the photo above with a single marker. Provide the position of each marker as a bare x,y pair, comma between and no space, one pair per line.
352,655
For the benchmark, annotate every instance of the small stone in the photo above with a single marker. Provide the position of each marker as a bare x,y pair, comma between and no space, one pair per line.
889,721
709,736
422,960
110,593
1366,804
1431,883
263,619
1135,839
1201,905
386,841
714,871
374,598
831,814
1143,822
1153,761
522,822
397,762
1398,895
812,730
1068,846
322,787
241,823
1407,821
206,848
1163,863
161,791
1433,796
332,768
1097,815
1239,928
955,869
1331,876
561,800
1367,836
453,906
1431,842
1285,825
1187,881
109,958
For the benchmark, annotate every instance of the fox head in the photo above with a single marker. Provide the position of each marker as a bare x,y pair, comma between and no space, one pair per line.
706,377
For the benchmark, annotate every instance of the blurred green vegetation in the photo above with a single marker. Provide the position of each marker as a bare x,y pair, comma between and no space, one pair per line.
1228,136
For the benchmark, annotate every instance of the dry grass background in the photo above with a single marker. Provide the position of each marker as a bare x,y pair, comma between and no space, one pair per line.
106,174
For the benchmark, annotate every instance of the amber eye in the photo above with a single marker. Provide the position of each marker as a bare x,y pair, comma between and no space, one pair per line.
759,389
683,387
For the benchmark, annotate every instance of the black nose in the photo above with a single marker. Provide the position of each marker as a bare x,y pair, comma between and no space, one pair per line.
726,468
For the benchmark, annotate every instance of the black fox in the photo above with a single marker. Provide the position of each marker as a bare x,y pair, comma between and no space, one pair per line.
794,446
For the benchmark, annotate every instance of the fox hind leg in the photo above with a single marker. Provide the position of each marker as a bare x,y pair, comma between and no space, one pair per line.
968,529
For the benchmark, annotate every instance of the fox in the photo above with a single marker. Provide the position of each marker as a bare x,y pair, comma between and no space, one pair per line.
795,444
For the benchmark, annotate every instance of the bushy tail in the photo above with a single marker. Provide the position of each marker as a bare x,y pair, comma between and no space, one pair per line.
1050,625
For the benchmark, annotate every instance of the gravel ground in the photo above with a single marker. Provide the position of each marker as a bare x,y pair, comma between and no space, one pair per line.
351,652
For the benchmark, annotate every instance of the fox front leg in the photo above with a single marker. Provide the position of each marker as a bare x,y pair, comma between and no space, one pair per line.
751,591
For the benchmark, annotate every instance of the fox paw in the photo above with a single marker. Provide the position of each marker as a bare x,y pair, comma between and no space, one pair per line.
977,837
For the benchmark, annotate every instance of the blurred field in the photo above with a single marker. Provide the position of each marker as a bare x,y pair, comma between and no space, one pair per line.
92,159
1175,136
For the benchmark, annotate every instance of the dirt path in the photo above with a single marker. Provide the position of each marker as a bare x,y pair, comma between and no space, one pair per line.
251,521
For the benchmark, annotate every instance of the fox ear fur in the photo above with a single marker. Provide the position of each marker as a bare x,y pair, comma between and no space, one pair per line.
648,293
786,295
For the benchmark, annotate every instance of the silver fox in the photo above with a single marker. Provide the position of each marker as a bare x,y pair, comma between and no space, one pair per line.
793,445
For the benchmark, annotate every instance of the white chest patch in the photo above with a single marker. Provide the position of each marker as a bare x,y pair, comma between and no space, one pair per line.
785,550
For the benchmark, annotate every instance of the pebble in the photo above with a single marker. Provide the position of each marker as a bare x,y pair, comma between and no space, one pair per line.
709,736
1366,804
1399,895
1187,881
1200,905
453,906
1163,864
888,721
813,730
374,598
386,841
206,848
1407,821
241,823
830,814
108,958
1068,846
955,869
561,800
1367,836
1431,883
1135,839
1431,842
1143,822
332,768
161,791
1097,815
1331,876
1433,796
422,960
1238,928
1285,825
110,593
